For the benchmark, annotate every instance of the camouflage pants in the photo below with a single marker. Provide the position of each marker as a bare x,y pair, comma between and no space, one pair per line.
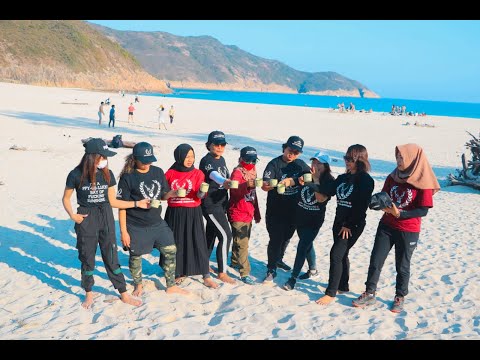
167,262
241,235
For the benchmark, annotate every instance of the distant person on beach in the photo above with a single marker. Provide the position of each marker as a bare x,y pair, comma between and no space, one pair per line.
144,229
131,109
137,100
309,216
215,204
161,117
281,207
242,209
411,186
184,216
171,113
112,116
101,112
94,222
353,190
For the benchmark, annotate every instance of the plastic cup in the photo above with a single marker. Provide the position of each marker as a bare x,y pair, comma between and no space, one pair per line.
259,182
233,184
181,192
204,187
280,188
307,177
155,203
273,182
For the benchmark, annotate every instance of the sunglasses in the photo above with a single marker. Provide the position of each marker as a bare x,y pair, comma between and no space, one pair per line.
292,151
251,162
348,158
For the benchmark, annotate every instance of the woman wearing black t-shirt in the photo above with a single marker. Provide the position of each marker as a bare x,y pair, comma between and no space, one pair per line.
94,223
353,190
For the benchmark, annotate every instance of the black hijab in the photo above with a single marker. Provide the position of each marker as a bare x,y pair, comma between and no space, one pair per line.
180,154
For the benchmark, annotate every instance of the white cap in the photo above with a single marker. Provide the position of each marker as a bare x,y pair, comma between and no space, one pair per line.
322,157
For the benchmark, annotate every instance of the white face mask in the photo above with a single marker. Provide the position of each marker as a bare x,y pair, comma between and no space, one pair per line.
102,164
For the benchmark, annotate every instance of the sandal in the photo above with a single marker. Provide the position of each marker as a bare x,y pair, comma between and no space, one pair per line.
180,280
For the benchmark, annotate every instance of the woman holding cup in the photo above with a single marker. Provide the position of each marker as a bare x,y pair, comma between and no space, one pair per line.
184,216
215,204
144,229
243,208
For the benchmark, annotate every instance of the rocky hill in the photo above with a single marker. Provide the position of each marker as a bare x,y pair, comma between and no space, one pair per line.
204,62
69,54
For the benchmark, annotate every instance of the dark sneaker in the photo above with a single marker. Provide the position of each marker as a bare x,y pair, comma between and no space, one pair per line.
309,274
234,266
363,300
290,284
247,280
397,304
283,266
271,274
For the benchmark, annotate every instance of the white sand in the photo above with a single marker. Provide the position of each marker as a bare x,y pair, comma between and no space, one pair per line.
40,291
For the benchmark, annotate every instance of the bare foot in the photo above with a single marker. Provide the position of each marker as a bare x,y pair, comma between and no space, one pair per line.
176,290
127,299
88,300
210,283
325,300
225,278
138,290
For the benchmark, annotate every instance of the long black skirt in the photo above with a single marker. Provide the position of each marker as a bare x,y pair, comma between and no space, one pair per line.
189,233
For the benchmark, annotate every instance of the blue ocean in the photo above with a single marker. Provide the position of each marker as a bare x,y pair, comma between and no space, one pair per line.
440,108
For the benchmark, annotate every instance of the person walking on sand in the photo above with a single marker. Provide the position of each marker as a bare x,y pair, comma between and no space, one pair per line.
131,109
161,117
215,204
280,213
144,229
309,215
411,186
94,222
171,113
353,190
101,112
242,209
112,116
184,216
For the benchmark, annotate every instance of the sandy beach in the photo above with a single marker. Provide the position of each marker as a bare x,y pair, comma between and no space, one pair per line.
40,293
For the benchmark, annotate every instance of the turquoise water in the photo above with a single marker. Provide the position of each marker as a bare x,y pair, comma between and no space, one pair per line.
441,108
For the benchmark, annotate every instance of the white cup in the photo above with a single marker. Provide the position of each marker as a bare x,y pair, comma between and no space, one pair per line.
259,182
280,188
273,182
233,184
181,192
307,178
155,203
204,187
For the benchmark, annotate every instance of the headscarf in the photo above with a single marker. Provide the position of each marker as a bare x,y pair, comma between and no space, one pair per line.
418,171
180,153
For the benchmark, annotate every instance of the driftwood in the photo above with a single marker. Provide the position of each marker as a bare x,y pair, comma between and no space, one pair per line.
15,147
470,173
126,144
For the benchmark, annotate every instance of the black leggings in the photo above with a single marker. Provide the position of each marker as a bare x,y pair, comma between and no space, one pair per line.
280,232
218,227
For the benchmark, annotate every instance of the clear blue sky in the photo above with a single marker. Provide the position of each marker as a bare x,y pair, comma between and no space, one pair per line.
414,59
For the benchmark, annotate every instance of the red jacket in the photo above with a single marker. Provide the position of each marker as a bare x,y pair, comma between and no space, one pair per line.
190,181
243,203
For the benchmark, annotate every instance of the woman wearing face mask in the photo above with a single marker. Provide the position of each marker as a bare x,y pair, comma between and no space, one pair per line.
94,223
184,216
411,186
215,204
144,229
353,190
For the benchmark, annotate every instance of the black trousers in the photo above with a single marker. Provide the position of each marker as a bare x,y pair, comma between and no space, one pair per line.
98,228
339,273
218,227
405,243
280,232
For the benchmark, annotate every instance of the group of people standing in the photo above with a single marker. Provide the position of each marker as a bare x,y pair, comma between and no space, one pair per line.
296,201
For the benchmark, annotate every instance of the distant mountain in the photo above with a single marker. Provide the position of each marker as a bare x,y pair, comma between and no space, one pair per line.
68,54
204,62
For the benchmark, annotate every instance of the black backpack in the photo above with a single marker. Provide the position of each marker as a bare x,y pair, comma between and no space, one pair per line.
117,142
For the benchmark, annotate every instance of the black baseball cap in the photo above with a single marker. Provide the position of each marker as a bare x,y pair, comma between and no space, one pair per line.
249,154
143,152
98,146
216,137
295,143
